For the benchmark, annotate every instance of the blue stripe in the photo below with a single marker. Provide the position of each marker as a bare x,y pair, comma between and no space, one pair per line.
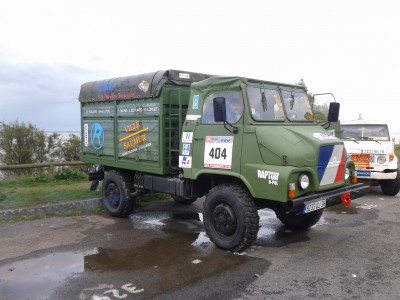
325,154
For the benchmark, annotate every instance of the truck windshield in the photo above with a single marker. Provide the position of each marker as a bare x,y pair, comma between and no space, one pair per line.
360,132
265,104
297,106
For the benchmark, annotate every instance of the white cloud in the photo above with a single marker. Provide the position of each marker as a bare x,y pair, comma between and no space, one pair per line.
349,48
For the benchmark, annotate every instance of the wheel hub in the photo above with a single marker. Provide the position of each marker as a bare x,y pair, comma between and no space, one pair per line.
224,219
113,195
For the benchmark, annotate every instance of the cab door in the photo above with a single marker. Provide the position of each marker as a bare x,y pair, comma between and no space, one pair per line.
217,145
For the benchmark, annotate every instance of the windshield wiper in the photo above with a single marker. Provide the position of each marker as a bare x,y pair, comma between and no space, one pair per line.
291,101
351,139
264,101
376,141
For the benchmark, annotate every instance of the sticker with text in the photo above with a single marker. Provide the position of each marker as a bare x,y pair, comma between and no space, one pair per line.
271,177
185,161
218,152
187,137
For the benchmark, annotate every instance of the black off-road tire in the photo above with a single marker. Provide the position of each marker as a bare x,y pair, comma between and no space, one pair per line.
299,221
391,187
230,217
116,190
182,200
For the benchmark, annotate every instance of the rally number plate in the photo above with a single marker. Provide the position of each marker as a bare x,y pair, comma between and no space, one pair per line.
309,207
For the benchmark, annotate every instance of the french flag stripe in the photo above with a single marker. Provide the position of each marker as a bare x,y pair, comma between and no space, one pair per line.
330,164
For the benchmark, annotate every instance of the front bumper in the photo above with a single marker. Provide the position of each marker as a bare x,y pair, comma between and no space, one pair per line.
367,174
332,197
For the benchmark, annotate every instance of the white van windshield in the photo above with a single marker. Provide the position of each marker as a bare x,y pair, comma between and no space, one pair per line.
361,132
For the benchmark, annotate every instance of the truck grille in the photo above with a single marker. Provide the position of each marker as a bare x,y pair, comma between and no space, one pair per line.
331,164
362,158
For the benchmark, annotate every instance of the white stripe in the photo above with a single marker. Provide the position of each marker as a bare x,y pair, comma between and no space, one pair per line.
333,166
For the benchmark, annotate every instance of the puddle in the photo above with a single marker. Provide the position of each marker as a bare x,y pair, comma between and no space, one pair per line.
36,278
168,220
342,209
273,233
367,206
326,221
175,249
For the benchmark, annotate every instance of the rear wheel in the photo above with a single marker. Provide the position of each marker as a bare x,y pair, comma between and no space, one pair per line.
299,221
117,188
391,187
230,217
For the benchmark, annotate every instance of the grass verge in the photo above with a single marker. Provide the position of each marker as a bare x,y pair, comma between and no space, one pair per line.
32,191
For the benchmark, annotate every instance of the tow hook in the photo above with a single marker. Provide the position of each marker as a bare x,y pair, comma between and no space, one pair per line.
346,200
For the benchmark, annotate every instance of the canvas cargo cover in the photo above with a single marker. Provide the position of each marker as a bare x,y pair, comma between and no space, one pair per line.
137,86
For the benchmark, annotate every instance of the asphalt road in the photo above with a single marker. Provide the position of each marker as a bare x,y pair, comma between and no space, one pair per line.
162,252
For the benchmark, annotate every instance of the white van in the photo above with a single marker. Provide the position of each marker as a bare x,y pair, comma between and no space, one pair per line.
369,145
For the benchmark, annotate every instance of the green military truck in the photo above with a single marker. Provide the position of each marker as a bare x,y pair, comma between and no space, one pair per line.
245,144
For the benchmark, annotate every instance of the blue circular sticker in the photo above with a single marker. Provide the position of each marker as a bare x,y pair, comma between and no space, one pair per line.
97,136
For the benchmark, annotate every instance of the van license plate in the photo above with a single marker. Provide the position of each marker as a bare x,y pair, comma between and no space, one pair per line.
309,207
362,173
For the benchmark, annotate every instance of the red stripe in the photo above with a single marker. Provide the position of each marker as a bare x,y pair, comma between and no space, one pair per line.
339,174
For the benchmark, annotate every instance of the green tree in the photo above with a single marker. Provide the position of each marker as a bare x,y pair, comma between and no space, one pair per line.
22,143
70,149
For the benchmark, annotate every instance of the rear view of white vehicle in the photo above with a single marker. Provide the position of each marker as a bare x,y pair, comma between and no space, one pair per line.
369,145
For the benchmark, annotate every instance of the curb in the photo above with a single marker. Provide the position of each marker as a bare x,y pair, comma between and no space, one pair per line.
54,209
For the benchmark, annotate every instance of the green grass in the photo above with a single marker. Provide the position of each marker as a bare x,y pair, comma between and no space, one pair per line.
397,152
32,191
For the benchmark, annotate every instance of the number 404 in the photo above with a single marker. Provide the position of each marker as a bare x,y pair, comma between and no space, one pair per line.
217,153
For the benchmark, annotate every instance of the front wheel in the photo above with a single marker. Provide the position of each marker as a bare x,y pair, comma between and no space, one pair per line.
299,221
117,189
230,217
391,187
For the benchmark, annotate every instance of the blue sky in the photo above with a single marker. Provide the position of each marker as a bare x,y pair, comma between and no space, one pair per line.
49,48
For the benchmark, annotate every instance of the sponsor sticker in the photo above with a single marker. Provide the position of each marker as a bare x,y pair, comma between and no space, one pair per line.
185,149
187,137
185,161
192,117
271,177
323,136
184,75
86,134
144,86
196,102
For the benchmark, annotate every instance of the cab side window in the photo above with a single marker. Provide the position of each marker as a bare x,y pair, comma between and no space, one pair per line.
234,107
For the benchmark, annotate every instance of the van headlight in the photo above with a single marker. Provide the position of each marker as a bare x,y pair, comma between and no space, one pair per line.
381,159
304,181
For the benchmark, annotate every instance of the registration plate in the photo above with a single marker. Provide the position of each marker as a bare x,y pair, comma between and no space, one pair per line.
309,207
362,173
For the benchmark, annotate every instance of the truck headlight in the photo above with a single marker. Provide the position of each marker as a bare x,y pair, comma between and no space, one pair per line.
381,159
304,181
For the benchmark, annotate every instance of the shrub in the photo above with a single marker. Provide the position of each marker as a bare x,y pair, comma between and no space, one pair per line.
69,174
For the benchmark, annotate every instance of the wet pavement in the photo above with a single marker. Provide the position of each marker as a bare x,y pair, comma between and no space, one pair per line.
162,252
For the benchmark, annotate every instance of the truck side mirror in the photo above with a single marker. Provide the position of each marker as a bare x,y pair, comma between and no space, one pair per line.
219,109
333,114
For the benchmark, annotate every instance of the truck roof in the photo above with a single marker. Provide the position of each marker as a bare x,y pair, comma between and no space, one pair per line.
145,85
